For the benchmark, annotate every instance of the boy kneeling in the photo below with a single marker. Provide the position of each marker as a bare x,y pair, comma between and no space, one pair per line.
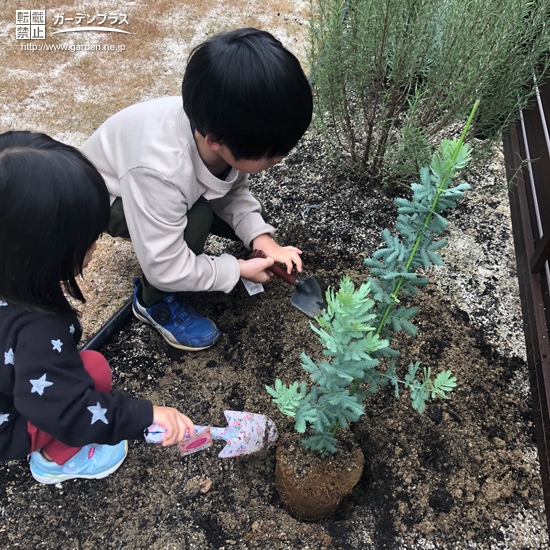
179,171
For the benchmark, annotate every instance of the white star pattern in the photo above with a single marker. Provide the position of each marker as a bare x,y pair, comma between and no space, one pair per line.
98,413
3,418
39,385
8,357
2,303
71,329
57,345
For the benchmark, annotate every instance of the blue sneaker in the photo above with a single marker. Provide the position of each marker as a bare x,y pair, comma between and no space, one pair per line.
177,322
91,462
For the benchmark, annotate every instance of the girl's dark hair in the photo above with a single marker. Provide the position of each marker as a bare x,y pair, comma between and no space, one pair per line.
53,206
249,93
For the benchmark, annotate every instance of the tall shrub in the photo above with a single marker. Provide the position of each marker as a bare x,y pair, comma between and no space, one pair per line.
389,75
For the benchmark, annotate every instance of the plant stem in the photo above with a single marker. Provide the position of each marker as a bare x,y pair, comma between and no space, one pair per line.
440,189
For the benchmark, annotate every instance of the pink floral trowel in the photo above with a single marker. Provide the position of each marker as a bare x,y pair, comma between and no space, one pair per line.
245,433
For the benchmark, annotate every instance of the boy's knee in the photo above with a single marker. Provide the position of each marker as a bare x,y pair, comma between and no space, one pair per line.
117,222
200,218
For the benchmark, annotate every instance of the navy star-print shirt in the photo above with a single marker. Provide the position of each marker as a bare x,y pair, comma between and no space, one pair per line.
43,381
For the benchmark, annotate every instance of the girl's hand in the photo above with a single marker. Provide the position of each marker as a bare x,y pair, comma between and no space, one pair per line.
288,255
254,270
175,423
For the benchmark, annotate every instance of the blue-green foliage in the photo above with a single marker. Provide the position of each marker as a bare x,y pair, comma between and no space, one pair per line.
287,398
356,328
419,223
423,390
347,334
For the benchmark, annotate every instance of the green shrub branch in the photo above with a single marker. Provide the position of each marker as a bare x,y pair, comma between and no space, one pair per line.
390,75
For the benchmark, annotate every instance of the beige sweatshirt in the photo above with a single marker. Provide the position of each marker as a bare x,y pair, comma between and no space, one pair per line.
148,156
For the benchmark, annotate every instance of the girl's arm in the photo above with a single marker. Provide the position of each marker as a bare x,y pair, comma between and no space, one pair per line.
53,391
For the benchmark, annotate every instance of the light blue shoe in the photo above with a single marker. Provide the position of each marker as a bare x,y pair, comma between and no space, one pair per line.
178,323
91,462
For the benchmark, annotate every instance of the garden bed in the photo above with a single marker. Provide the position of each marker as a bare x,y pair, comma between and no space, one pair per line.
463,475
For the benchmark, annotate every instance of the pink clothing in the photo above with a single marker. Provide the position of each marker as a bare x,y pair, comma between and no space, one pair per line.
97,367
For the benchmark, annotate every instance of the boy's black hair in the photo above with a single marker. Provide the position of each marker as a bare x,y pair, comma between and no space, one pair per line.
249,93
53,206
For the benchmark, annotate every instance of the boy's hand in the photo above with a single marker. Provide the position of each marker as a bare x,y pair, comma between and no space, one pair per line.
288,255
254,270
175,423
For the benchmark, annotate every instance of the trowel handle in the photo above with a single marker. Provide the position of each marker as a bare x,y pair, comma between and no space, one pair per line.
276,269
155,432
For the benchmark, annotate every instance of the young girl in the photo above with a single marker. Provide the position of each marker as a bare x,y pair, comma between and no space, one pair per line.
55,402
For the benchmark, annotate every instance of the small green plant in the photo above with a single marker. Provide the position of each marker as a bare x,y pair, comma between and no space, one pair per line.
287,398
423,390
357,325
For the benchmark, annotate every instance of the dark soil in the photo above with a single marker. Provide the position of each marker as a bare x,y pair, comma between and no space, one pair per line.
463,475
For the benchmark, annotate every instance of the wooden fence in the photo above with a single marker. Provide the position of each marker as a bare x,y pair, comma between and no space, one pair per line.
527,157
